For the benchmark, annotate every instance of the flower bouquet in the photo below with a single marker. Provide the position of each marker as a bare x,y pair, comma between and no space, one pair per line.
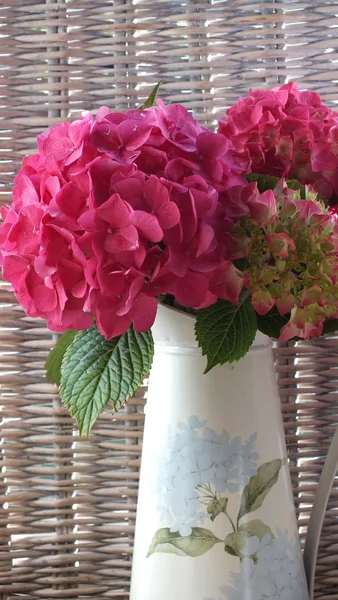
118,213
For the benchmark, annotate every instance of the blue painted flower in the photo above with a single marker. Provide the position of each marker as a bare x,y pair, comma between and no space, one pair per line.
278,573
197,456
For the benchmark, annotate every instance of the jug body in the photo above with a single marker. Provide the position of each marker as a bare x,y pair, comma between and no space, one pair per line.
216,516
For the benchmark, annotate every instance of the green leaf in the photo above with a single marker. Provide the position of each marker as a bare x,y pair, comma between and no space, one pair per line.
293,184
226,331
197,543
255,528
269,182
271,323
264,182
234,543
55,357
330,326
95,371
151,100
217,507
258,487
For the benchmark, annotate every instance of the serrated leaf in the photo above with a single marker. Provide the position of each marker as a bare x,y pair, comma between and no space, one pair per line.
55,357
271,323
151,100
226,331
259,486
293,184
269,182
264,182
217,507
95,371
255,528
197,543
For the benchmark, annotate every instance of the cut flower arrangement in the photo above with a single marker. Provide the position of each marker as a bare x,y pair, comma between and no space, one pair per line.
117,213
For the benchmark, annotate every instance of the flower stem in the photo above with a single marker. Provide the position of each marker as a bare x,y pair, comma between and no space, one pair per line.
231,521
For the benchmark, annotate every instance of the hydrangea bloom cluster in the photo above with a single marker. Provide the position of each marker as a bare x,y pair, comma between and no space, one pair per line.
195,457
117,210
277,574
290,248
286,133
114,211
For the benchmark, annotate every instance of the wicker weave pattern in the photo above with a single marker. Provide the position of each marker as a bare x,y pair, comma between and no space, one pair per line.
67,506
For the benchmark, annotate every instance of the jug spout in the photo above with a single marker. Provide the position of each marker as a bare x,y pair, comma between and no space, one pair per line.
318,512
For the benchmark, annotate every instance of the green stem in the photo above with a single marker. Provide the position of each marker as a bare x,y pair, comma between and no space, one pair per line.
231,521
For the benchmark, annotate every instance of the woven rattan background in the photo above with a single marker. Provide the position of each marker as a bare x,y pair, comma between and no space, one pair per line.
67,507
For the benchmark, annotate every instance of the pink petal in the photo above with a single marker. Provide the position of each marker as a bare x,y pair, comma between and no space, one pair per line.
143,312
168,215
79,289
116,212
227,283
130,189
192,289
148,226
26,191
111,282
211,145
133,134
123,240
263,208
71,319
100,173
155,193
57,145
108,323
13,268
69,201
90,221
209,300
45,299
134,290
285,304
262,301
206,236
178,262
42,268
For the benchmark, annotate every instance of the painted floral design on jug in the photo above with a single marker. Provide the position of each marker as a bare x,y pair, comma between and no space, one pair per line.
275,574
196,475
198,461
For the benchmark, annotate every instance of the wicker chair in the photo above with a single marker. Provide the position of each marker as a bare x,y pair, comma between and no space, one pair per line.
68,505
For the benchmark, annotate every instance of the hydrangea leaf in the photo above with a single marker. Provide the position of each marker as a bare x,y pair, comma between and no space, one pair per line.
225,331
197,543
264,182
245,541
55,357
217,507
95,371
259,486
272,323
151,100
269,182
256,528
234,544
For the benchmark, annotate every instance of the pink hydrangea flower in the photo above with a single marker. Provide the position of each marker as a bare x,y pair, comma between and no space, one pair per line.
286,133
115,211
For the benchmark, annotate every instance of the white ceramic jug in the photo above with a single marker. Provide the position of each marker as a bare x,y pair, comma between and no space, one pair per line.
216,518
